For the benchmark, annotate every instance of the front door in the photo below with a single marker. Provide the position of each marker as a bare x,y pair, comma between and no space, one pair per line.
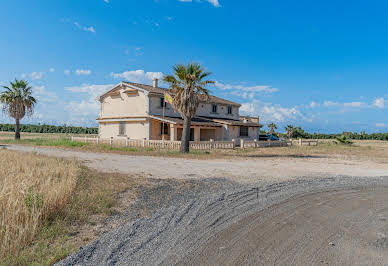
191,134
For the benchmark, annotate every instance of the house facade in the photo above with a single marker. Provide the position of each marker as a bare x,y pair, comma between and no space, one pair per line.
138,111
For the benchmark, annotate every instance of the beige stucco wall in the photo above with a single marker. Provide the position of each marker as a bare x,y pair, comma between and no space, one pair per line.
233,132
133,130
205,109
156,109
125,105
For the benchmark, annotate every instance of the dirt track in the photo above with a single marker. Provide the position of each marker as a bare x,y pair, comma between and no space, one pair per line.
245,171
346,227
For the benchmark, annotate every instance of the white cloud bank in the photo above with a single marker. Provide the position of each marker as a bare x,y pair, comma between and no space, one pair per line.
137,76
269,112
86,110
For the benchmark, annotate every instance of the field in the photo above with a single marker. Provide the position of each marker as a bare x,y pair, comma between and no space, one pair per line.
60,204
50,206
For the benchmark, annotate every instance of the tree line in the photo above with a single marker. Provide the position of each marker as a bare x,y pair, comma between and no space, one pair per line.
298,132
49,129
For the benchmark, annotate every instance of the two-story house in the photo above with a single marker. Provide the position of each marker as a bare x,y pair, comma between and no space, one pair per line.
138,111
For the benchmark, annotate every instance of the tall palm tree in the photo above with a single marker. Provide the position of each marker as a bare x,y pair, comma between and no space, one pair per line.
290,130
17,101
188,86
272,128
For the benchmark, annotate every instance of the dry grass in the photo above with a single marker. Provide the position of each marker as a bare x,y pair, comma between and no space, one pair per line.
10,135
51,207
32,189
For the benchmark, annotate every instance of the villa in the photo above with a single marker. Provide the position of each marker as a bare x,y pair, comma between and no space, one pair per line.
138,111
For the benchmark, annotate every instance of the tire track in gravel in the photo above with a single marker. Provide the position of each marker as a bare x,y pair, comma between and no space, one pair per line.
192,232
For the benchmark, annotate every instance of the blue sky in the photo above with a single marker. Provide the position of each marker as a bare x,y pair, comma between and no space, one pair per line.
322,65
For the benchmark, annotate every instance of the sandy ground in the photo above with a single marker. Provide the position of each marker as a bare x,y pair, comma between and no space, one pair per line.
246,171
278,211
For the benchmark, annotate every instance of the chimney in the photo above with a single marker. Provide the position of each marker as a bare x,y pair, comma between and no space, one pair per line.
155,83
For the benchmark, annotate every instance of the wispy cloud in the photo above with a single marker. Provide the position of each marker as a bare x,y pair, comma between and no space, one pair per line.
84,72
44,95
66,72
89,29
88,107
244,91
215,3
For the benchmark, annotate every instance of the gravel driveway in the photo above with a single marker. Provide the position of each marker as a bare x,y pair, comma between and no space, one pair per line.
246,171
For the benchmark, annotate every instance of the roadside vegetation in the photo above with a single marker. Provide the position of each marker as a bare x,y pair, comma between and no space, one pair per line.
359,148
50,207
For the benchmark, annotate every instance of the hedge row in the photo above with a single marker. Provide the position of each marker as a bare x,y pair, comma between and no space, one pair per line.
50,129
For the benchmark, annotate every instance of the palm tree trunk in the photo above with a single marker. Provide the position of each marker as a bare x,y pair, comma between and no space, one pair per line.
17,129
185,144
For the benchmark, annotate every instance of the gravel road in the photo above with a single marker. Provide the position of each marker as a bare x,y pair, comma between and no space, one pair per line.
283,212
242,170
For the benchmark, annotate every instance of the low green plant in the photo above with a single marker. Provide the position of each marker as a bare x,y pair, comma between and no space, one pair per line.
343,140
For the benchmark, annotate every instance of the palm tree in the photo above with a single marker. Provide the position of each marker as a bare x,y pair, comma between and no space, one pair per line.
290,130
272,128
188,88
17,101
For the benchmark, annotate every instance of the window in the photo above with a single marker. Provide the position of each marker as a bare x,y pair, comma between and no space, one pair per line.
122,128
214,108
230,110
163,129
162,103
243,131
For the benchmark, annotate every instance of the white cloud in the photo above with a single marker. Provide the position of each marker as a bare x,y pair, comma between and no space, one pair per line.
380,125
269,112
66,72
52,70
84,72
106,1
213,2
36,75
380,102
314,104
138,76
89,29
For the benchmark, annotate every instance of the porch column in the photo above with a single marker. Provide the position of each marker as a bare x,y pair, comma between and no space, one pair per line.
173,132
197,134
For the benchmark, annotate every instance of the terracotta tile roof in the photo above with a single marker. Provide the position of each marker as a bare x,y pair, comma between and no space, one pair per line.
212,99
